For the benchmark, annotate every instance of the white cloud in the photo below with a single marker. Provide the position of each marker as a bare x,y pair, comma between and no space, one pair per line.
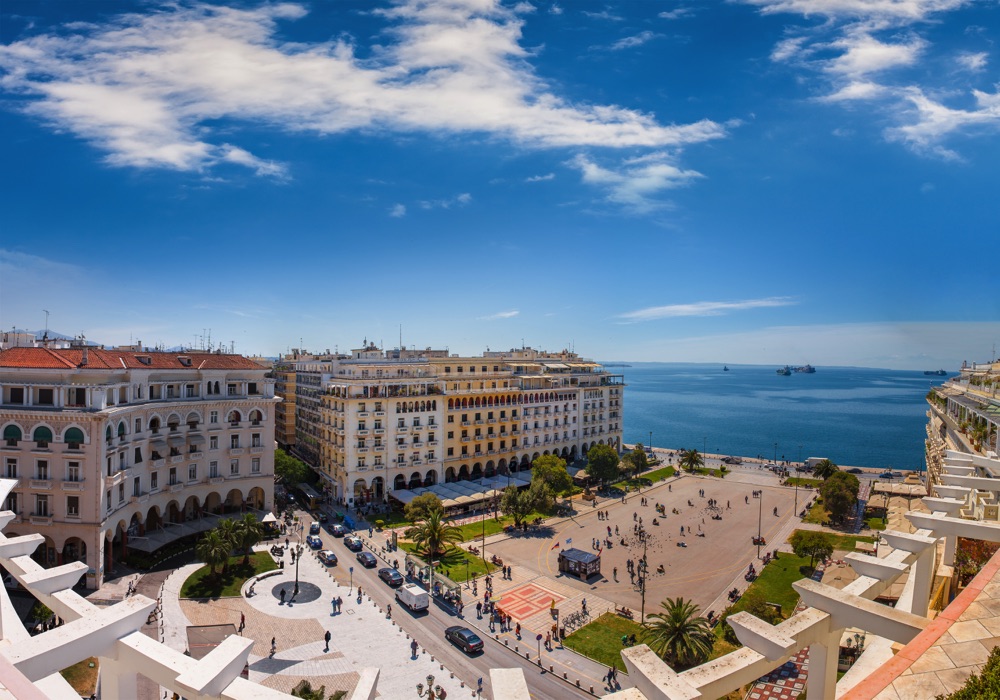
974,62
863,54
930,121
500,315
397,211
676,13
703,308
604,14
541,178
459,200
630,42
555,10
638,183
150,89
857,90
898,10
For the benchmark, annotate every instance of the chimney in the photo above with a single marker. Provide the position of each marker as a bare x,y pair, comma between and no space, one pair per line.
83,362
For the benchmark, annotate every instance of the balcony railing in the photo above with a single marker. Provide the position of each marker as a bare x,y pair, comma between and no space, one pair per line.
72,486
40,483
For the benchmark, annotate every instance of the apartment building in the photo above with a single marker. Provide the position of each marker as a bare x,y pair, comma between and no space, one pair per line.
115,450
284,411
389,421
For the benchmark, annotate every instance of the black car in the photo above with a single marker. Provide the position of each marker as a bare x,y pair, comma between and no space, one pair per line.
856,470
886,475
336,529
314,529
367,559
353,543
464,638
327,557
391,576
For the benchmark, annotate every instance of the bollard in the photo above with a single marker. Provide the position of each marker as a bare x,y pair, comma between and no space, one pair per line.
527,654
551,669
442,666
506,643
515,648
539,662
564,676
577,682
591,690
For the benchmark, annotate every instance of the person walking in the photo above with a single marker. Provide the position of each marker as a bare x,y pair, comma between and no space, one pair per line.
326,638
413,648
615,573
243,622
282,594
274,647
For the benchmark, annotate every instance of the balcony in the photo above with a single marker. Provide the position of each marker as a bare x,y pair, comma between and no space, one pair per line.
491,420
195,455
44,484
256,450
419,427
237,475
177,459
215,479
72,485
416,462
362,450
174,488
40,519
362,414
158,463
379,431
466,424
379,414
480,422
432,443
416,444
378,448
466,438
235,451
402,429
362,432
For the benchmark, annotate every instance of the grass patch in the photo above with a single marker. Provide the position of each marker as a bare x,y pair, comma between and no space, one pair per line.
452,564
802,482
875,523
473,531
201,584
392,519
82,677
775,583
647,479
721,647
601,640
818,514
847,542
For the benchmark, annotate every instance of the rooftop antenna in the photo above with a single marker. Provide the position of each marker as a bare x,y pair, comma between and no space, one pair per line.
46,321
400,336
232,347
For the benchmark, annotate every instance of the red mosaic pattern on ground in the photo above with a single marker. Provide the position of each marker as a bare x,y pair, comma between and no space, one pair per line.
527,600
786,682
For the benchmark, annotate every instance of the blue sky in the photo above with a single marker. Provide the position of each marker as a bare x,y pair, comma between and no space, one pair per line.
755,181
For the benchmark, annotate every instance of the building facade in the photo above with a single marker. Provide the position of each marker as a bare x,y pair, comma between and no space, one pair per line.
120,449
388,421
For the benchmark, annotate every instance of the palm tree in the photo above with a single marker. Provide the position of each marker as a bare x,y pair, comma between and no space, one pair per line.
679,635
227,530
825,469
213,549
433,535
249,531
691,460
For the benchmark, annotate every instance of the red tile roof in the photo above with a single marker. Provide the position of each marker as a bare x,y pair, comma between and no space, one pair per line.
71,358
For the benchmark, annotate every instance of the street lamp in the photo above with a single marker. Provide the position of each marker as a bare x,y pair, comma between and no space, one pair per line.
775,453
432,691
298,558
760,511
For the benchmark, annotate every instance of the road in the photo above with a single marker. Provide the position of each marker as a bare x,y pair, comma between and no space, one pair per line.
428,629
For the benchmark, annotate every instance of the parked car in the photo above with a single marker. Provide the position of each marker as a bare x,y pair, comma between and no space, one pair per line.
323,517
464,638
886,475
314,529
336,529
367,559
391,576
733,460
328,557
314,541
353,543
856,470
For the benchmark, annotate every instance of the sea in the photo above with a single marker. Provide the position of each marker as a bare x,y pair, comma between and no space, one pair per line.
856,417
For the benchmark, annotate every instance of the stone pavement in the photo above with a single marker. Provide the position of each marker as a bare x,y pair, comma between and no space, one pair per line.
362,636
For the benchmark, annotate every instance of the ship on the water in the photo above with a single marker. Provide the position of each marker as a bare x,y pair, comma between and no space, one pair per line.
725,368
785,371
935,372
805,369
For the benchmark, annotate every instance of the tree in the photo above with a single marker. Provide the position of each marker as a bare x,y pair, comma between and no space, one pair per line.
679,635
433,535
248,532
602,463
290,470
825,469
840,493
812,544
640,461
213,549
421,507
227,530
520,503
985,684
691,460
551,471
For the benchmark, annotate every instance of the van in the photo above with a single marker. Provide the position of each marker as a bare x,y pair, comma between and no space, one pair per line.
413,597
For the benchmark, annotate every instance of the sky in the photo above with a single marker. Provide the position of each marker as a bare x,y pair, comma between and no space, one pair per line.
752,181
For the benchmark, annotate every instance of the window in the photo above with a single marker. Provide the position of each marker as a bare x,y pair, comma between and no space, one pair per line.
73,506
192,472
41,505
234,441
42,470
361,462
138,425
17,395
154,481
234,466
121,493
137,457
362,425
107,499
73,471
378,461
400,459
213,470
137,487
361,407
11,503
170,391
213,442
11,472
430,455
451,451
401,423
231,389
252,388
255,465
172,478
45,397
213,417
189,389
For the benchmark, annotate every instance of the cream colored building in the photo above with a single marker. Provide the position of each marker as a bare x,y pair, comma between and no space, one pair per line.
400,420
118,450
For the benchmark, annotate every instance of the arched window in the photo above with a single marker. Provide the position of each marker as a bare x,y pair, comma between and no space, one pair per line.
121,431
11,435
109,434
73,437
42,436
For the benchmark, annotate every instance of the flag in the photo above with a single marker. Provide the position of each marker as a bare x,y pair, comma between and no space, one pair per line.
569,540
555,545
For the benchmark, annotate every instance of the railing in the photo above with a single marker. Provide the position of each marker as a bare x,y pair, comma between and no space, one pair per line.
235,451
40,483
72,486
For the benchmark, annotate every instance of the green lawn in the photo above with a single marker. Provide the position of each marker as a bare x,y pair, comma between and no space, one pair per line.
847,542
601,639
802,482
83,676
776,580
474,530
201,584
647,479
818,514
453,563
875,523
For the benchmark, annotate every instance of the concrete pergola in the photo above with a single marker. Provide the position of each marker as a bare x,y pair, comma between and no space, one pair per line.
830,611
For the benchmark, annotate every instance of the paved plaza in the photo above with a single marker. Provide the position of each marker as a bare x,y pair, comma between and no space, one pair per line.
361,635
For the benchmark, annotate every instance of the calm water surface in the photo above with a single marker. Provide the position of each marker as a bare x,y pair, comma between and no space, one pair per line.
854,416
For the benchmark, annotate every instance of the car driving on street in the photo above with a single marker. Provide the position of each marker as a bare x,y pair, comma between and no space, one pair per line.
464,638
327,557
314,541
353,543
391,576
367,559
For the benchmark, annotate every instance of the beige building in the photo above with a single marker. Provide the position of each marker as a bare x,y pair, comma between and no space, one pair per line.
119,450
284,411
389,421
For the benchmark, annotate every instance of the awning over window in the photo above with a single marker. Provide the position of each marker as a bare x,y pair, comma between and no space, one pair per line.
158,445
42,434
12,432
73,435
196,439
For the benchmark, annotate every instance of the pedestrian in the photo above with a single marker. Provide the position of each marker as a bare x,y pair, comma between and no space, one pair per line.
243,622
548,641
326,638
333,606
583,604
479,610
340,603
615,573
388,610
608,677
614,675
274,646
517,630
282,594
413,648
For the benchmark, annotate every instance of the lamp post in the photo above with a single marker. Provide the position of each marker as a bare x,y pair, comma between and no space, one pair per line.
760,512
775,453
432,691
298,558
800,454
704,445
